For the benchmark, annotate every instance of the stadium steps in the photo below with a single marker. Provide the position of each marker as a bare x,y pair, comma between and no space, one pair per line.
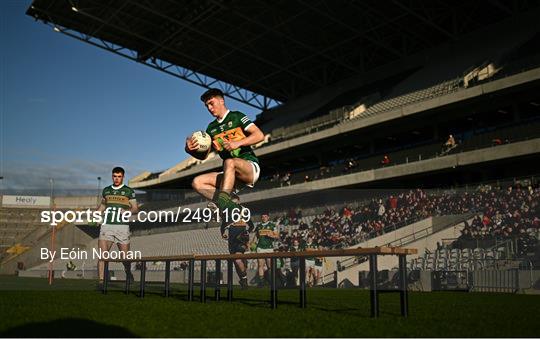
421,235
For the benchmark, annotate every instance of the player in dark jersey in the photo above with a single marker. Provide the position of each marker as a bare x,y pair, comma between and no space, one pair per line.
237,234
232,135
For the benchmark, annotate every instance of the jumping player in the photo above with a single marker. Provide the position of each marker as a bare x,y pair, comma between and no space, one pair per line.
117,198
232,134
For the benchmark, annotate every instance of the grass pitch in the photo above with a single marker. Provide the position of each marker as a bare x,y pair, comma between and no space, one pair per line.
71,308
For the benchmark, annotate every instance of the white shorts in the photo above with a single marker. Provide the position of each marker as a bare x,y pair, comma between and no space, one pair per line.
310,264
265,250
116,233
256,172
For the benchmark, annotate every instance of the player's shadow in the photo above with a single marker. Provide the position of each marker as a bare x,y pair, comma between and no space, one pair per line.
66,328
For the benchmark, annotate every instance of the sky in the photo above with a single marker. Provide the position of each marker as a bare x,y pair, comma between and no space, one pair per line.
71,111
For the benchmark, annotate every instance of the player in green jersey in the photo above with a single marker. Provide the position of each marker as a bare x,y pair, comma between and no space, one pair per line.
265,233
232,135
116,199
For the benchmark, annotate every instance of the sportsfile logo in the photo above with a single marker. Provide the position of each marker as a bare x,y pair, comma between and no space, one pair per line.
119,216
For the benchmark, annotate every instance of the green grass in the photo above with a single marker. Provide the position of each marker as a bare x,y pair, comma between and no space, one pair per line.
29,307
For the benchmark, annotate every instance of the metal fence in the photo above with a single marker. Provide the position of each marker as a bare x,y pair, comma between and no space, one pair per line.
495,281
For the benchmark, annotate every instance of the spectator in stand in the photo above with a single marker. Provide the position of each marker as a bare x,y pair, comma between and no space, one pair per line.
286,179
381,209
350,165
385,161
449,144
498,212
499,141
392,202
324,171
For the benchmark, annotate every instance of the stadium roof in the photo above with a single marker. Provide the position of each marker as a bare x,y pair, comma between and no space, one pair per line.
267,52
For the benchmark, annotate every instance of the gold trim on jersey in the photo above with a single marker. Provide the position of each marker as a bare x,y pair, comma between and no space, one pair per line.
235,134
266,232
117,199
240,223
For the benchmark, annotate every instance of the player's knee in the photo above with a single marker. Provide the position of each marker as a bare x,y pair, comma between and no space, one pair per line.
196,183
229,164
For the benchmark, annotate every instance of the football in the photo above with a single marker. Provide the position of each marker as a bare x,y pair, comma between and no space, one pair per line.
204,141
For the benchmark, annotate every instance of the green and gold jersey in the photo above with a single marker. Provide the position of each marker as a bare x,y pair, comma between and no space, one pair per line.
115,198
264,232
231,128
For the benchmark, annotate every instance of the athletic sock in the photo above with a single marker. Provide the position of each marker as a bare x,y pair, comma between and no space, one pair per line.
224,201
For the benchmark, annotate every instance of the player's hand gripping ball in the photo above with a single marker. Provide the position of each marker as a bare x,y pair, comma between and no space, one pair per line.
203,140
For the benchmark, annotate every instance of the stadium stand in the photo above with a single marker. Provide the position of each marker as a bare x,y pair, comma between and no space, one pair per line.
15,225
384,126
509,65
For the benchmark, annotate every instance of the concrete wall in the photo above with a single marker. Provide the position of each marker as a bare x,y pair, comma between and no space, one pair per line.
81,202
331,263
68,236
391,262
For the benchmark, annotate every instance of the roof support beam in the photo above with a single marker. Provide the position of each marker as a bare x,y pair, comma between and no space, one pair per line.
274,30
235,92
227,45
424,19
359,33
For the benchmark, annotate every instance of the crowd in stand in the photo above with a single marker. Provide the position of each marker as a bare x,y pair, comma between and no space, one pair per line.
499,212
509,213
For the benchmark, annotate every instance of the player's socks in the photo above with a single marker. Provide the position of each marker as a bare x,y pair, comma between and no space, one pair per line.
224,201
244,282
212,205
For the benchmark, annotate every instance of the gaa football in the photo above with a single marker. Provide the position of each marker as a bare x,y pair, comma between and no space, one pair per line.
203,139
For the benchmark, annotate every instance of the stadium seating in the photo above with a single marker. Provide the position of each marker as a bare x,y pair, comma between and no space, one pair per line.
15,225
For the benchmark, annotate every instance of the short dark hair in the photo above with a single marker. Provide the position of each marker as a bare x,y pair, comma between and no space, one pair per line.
212,92
118,170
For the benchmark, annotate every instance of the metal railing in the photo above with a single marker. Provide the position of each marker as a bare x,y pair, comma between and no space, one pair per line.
495,281
423,233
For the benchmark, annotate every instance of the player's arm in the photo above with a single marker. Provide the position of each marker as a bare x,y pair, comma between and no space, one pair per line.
191,148
133,206
103,202
222,229
275,233
101,207
255,135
